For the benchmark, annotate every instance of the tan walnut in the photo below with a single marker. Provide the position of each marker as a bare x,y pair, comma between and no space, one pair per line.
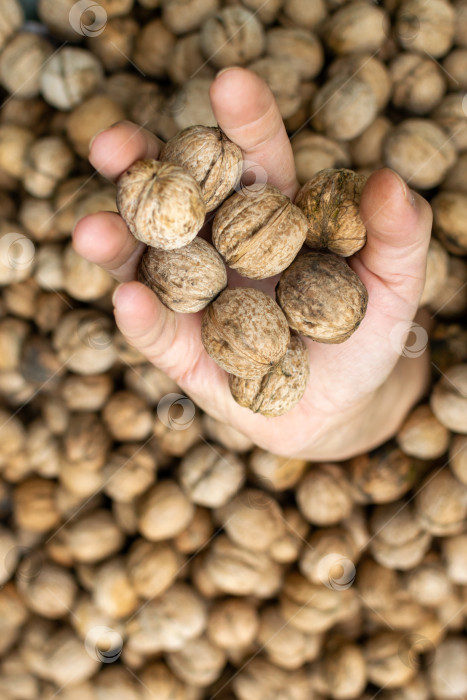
186,279
210,157
259,231
245,332
281,389
330,202
161,204
322,297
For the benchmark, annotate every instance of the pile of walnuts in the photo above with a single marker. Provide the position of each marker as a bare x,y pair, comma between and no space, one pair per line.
258,232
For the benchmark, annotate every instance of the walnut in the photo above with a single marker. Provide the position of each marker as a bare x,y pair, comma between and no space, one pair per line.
344,107
285,646
153,47
425,27
303,13
69,77
232,37
12,19
187,279
323,495
420,152
241,572
164,512
367,149
455,66
441,504
34,505
381,476
210,157
21,62
451,115
387,657
87,119
48,161
260,680
199,663
398,540
114,46
447,673
161,204
84,342
273,472
452,301
197,535
341,671
181,16
422,435
281,389
449,399
322,297
313,152
458,458
129,472
233,623
81,541
330,202
191,105
284,83
418,84
187,60
357,27
300,49
245,332
210,475
14,145
48,590
167,622
259,232
367,68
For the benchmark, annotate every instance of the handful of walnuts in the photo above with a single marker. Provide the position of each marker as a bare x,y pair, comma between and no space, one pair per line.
259,233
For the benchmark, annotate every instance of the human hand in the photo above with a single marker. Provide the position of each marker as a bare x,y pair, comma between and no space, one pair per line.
358,392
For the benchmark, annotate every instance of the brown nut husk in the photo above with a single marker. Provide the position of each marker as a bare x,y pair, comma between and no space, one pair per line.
161,204
245,332
330,202
322,297
259,231
210,157
281,389
186,279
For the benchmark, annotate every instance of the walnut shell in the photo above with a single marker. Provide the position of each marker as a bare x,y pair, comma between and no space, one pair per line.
210,157
161,204
322,297
245,332
449,220
279,390
186,279
232,37
259,232
330,202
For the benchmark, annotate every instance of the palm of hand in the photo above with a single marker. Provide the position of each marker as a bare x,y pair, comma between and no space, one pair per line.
354,397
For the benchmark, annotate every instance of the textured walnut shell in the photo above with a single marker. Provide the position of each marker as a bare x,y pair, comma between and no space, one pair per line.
322,297
161,204
279,390
245,332
186,279
210,157
330,202
259,232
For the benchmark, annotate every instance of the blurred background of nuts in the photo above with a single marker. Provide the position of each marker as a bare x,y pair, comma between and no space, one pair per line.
146,549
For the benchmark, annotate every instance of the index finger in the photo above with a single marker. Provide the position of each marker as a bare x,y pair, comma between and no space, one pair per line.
114,150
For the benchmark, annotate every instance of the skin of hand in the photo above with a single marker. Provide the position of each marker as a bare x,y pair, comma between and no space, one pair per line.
360,391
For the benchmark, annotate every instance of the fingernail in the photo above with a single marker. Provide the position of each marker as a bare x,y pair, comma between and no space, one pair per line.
115,294
406,191
225,70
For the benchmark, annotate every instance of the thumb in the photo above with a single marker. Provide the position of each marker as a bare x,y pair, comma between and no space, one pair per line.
398,223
